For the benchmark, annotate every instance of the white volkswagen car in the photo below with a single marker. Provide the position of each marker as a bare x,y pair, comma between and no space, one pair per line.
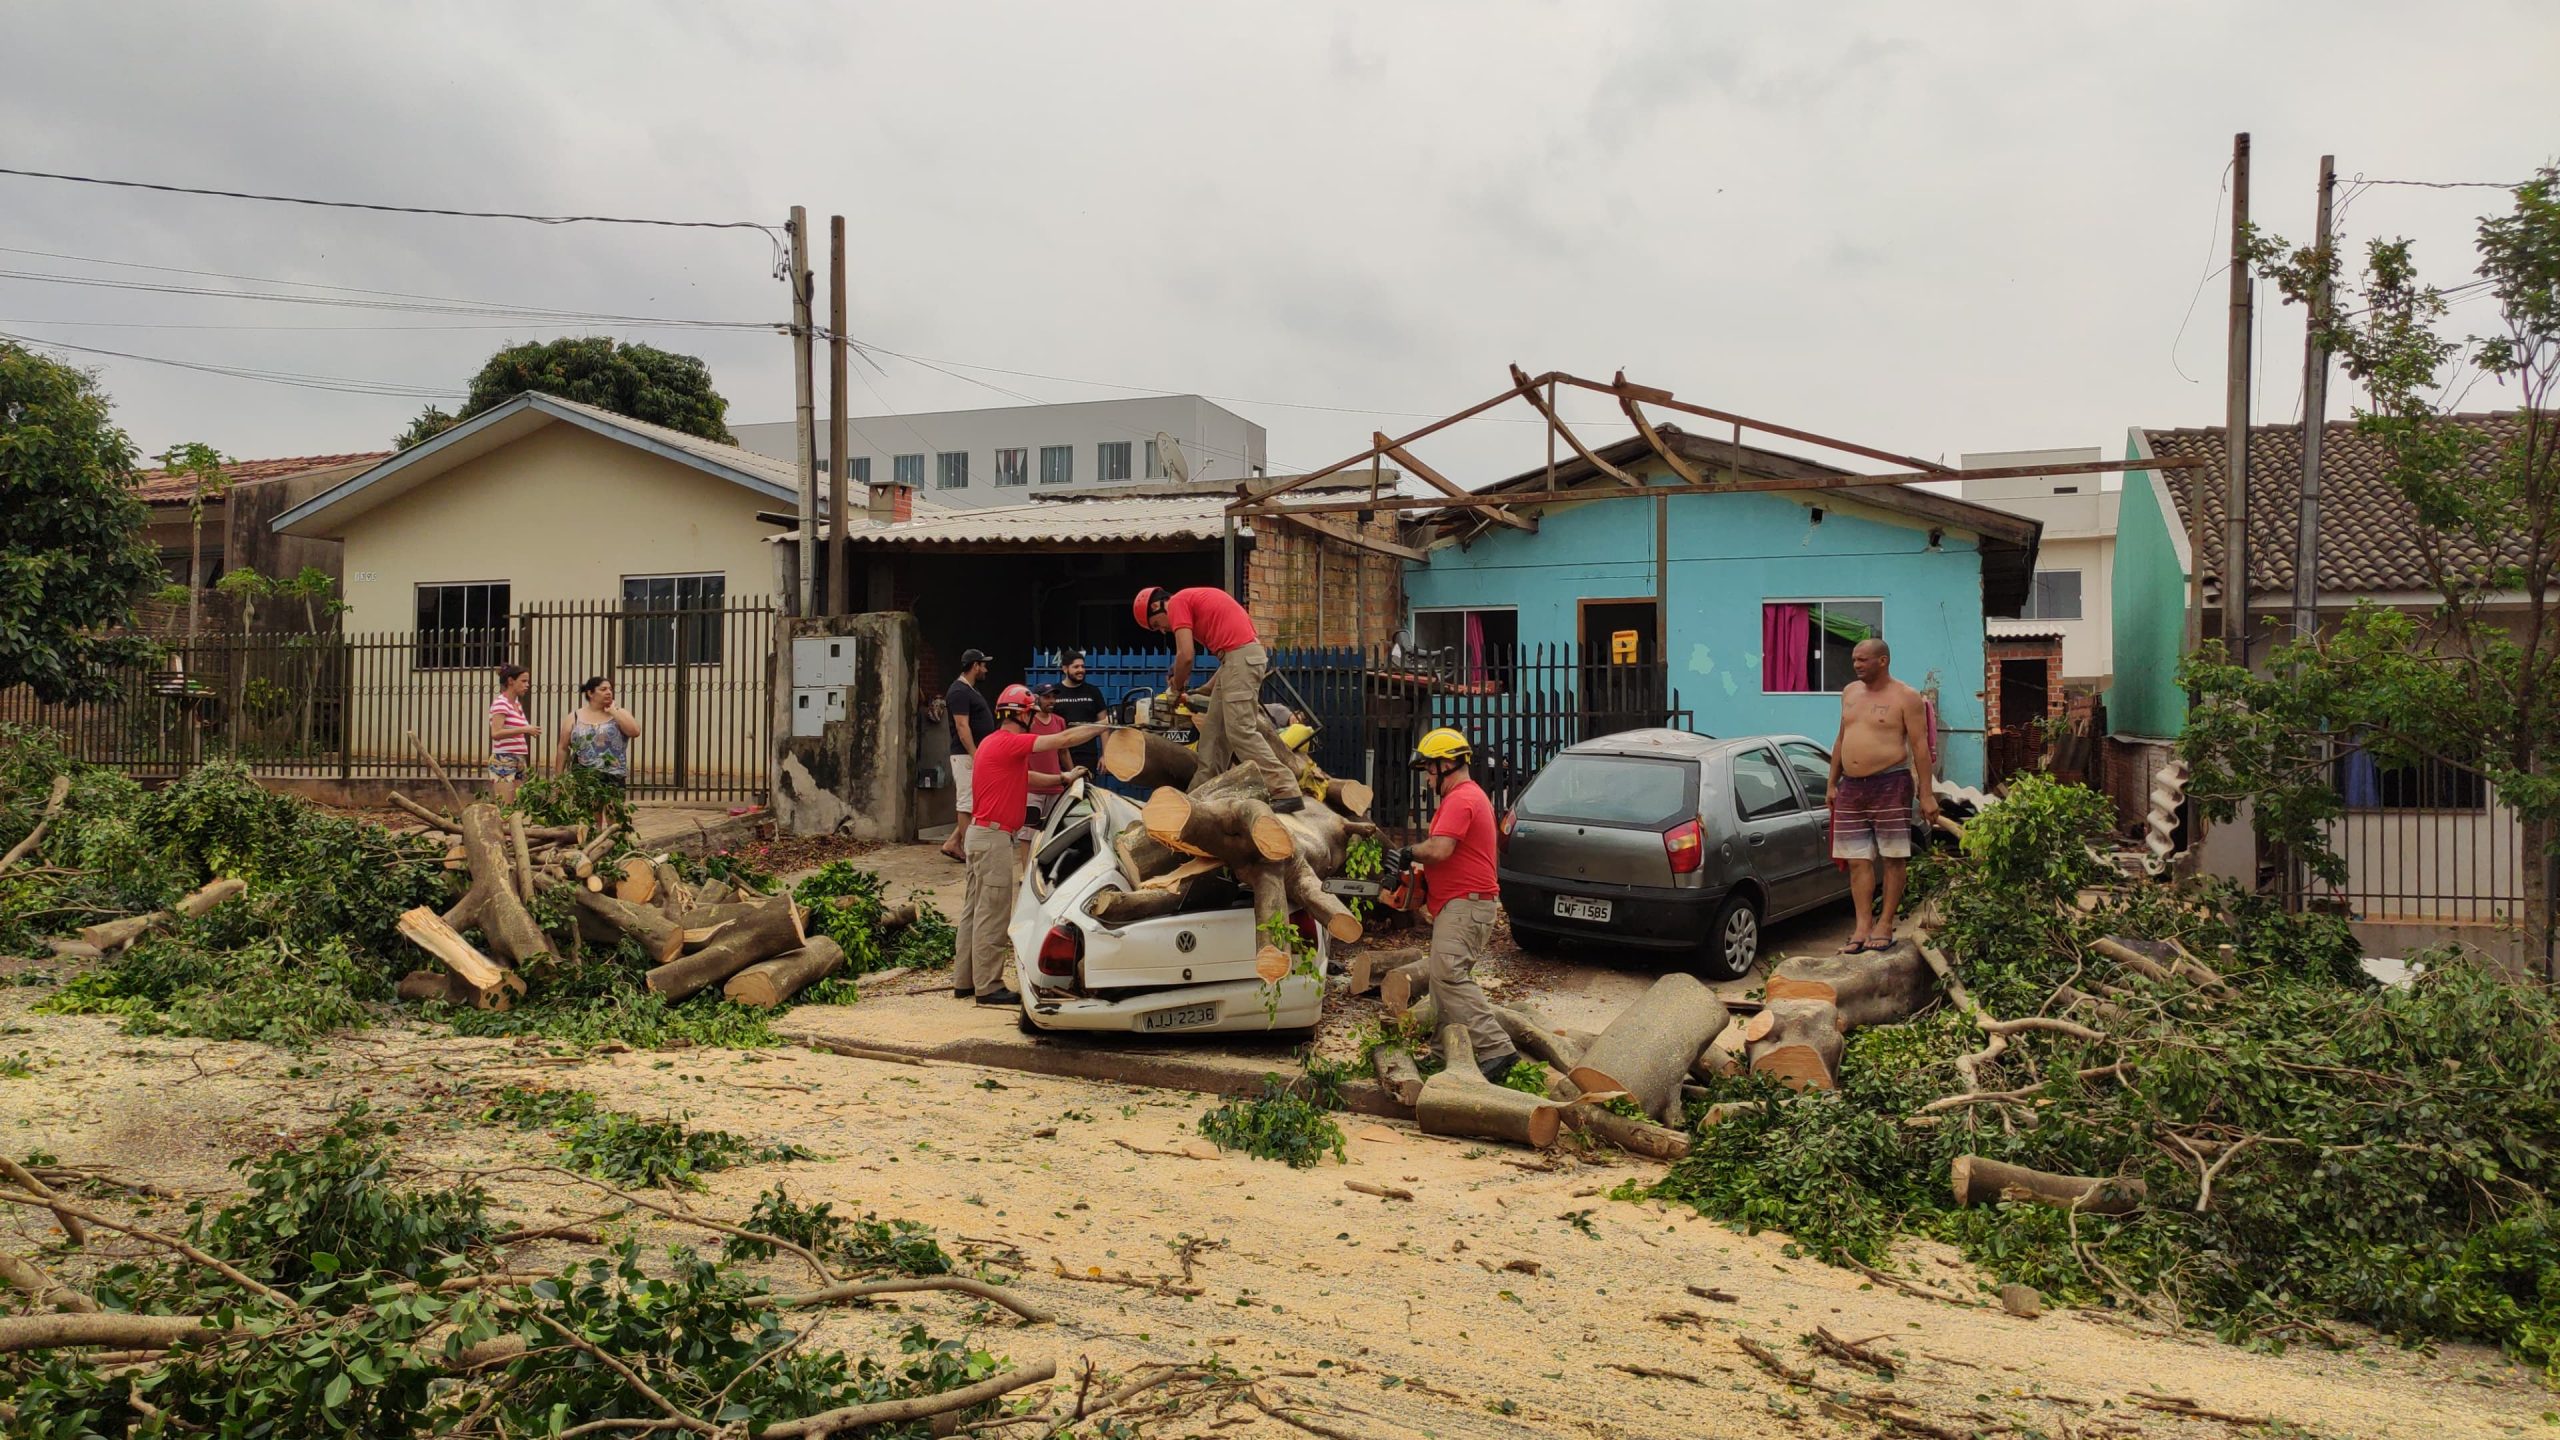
1191,972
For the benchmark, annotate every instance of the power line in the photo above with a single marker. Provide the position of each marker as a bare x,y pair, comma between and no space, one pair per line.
94,282
769,232
393,389
2448,184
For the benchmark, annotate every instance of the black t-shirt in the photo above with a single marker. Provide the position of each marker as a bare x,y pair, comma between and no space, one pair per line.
964,701
1080,704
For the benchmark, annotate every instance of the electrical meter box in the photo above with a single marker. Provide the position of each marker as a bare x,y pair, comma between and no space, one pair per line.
822,674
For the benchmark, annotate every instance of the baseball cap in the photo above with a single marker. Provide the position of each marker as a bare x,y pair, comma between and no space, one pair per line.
1047,691
971,657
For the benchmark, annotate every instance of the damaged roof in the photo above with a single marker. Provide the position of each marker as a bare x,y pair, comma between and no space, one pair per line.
161,487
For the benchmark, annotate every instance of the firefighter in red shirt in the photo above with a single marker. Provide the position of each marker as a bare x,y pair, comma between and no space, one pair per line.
1210,619
1001,783
1463,896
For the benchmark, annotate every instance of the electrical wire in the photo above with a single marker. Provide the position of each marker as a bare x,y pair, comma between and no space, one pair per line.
2211,226
393,389
94,282
770,232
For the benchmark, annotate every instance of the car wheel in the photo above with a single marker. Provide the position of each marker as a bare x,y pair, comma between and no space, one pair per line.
1733,942
1023,1021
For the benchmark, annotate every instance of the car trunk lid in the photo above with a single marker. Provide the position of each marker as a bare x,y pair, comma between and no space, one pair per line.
1602,818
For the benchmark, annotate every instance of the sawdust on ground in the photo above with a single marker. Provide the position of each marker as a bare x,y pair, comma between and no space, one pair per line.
1502,1300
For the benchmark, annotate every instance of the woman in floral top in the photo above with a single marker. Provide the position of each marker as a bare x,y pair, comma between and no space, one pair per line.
597,735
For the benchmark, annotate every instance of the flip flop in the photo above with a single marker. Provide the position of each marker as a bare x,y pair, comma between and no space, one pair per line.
1860,947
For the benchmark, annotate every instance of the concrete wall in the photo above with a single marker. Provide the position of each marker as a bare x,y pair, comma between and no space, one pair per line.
2149,610
2079,513
1726,554
562,514
858,779
1218,443
2088,643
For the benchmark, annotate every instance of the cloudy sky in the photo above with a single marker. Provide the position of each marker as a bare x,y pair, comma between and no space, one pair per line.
1934,228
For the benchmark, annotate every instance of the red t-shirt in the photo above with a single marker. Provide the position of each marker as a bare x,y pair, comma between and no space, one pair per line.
1000,779
1466,814
1046,761
1216,622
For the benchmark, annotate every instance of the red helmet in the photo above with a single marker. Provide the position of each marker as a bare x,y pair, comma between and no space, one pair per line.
1145,603
1015,697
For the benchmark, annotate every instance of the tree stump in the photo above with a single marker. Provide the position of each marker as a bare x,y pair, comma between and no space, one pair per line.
1878,987
1798,1041
1646,1051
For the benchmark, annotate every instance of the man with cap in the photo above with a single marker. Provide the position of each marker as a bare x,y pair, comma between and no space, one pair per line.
1079,702
971,723
1004,782
1463,895
1209,619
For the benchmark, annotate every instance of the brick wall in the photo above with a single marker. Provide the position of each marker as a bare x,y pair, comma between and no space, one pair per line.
1306,590
1997,650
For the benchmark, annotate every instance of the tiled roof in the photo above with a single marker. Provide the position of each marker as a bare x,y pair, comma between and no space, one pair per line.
2370,539
162,485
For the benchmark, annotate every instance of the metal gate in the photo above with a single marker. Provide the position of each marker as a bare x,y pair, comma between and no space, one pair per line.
699,679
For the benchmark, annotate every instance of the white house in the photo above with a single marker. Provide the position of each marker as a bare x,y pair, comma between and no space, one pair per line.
1001,456
2075,564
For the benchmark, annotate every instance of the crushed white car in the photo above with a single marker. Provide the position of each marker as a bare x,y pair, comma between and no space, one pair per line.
1185,973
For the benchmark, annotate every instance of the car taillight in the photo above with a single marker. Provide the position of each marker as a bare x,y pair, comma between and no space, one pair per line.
1687,847
1060,950
1502,832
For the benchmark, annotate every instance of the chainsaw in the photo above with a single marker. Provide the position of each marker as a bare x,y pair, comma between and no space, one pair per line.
1398,885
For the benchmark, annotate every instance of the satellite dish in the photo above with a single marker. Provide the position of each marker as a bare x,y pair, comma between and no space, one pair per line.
1169,458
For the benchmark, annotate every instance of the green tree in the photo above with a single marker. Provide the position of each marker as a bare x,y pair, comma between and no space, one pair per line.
640,381
201,464
73,558
2476,678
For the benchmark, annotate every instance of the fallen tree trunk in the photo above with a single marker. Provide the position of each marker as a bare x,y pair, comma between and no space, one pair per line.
1528,1031
1397,1072
1875,988
1798,1041
492,905
424,985
41,1289
52,807
1977,1181
1369,968
674,897
1234,828
660,938
1148,761
1460,1101
1270,912
704,916
1122,907
523,852
490,985
1646,1051
772,929
1405,985
1142,856
114,935
1723,1055
637,881
768,983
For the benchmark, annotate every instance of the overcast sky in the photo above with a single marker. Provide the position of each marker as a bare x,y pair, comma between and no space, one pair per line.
1933,228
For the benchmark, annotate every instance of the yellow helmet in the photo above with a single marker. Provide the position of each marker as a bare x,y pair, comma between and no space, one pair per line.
1443,744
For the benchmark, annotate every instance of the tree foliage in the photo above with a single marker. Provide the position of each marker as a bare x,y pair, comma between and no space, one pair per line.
73,558
640,381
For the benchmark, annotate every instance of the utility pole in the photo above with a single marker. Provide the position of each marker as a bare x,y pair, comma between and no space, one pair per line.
2315,417
802,381
2235,455
839,430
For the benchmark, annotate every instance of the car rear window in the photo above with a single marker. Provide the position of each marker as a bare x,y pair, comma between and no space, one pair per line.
1613,790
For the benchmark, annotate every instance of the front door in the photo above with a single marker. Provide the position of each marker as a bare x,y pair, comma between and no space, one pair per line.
1621,667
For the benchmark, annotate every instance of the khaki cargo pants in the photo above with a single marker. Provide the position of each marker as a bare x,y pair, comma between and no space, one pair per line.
1235,730
1462,931
986,903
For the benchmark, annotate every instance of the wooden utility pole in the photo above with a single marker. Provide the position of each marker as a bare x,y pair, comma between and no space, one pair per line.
839,430
2315,417
802,381
2235,454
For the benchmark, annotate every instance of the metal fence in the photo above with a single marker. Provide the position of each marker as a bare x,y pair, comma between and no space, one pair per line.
1518,706
2428,843
347,707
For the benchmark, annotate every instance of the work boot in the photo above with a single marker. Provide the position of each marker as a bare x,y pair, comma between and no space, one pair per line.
1288,804
1494,1070
1007,999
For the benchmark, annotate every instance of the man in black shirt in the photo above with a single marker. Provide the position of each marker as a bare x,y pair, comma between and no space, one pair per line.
972,719
1079,703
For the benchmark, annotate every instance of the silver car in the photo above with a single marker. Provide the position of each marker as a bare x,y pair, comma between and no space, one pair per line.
1665,840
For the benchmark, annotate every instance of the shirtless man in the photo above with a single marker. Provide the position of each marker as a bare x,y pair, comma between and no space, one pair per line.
1878,762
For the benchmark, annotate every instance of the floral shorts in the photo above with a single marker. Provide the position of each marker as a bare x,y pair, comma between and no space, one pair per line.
510,767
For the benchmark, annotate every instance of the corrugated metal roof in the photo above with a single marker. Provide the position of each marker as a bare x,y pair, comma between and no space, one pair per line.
1127,520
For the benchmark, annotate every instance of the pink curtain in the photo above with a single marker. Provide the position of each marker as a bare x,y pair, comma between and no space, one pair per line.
1474,657
1786,647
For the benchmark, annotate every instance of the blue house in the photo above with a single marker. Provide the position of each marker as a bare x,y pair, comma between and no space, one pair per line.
1751,600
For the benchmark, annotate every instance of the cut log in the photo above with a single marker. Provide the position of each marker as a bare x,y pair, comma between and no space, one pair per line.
771,930
1369,968
52,807
718,892
1270,905
1142,856
490,985
1977,1181
1147,760
423,985
1123,907
1396,1072
1404,985
1235,828
1878,987
1307,888
114,935
705,915
1529,1033
637,881
768,983
492,905
1646,1051
1460,1101
1349,797
673,896
523,857
1798,1041
42,1290
1723,1055
658,937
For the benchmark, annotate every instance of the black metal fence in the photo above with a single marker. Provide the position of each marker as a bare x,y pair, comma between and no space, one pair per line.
2427,843
346,707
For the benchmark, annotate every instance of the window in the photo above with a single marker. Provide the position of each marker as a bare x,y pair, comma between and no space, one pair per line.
861,468
908,470
1813,770
1013,467
1057,464
175,563
1111,460
1155,462
2430,784
1760,787
1471,646
462,626
690,601
951,470
1805,644
2056,596
1613,790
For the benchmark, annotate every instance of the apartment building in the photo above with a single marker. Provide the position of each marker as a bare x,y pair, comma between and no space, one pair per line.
2075,564
1005,455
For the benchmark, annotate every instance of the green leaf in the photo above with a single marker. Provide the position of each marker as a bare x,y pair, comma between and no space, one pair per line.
340,1387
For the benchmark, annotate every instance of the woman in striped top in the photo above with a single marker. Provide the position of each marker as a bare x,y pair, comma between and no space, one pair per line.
510,734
